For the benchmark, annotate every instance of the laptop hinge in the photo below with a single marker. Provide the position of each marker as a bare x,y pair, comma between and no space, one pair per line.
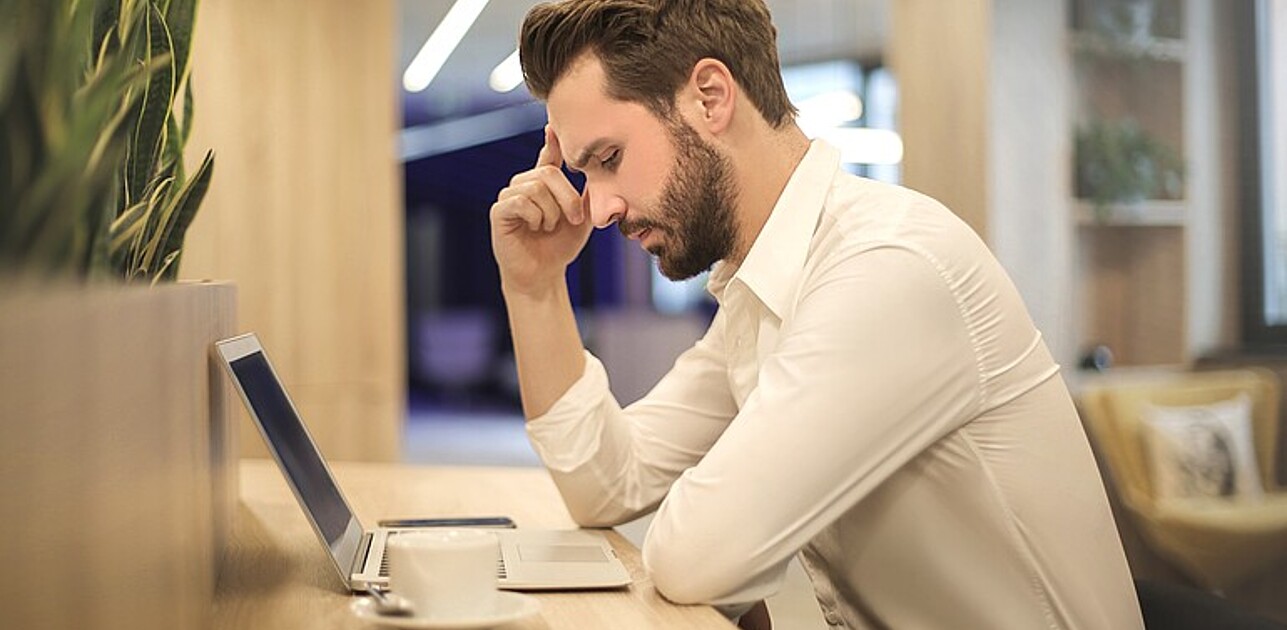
359,558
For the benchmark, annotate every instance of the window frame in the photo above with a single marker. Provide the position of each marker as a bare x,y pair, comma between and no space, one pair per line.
1252,23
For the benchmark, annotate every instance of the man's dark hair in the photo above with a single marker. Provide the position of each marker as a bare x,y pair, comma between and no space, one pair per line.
648,48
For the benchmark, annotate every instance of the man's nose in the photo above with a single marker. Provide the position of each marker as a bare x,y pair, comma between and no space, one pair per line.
606,208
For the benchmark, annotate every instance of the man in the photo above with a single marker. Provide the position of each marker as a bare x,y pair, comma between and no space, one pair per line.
871,394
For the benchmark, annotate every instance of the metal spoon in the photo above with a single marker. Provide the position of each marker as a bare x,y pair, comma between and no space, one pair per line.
389,604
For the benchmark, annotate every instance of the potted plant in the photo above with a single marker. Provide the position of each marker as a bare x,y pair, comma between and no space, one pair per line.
95,109
111,410
1129,21
1120,163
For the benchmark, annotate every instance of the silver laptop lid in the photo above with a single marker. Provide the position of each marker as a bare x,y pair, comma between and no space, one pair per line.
293,448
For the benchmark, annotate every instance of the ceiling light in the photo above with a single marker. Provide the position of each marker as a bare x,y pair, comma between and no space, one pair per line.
507,74
441,43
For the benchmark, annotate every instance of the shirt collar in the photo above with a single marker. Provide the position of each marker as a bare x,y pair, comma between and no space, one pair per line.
773,266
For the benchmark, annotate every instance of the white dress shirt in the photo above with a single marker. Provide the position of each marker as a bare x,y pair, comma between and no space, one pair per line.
873,396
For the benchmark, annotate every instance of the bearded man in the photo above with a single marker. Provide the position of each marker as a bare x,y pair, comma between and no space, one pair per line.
872,394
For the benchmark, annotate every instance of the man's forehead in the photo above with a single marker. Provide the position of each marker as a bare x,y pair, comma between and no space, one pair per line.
582,115
578,101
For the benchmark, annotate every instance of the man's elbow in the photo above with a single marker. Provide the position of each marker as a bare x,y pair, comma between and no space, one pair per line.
679,578
603,514
587,516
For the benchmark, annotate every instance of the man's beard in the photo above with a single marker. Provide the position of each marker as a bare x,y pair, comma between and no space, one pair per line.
696,213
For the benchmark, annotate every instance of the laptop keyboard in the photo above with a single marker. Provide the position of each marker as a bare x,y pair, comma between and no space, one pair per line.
500,567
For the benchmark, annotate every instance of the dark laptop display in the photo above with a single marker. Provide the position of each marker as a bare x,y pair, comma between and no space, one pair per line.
298,455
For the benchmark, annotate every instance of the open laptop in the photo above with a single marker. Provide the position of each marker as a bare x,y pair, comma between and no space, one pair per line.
530,559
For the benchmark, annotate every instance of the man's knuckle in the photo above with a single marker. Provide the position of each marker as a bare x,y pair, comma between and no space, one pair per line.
519,178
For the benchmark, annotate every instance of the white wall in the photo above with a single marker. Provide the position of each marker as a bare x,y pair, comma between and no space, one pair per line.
1029,163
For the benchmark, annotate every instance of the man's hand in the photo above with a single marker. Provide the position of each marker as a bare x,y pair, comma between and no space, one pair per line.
539,224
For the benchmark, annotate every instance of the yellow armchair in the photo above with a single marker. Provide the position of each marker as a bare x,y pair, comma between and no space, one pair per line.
1218,543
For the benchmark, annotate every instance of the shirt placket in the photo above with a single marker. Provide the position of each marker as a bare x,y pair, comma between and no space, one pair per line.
743,370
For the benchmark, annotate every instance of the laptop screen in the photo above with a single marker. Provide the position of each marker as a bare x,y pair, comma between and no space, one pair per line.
295,450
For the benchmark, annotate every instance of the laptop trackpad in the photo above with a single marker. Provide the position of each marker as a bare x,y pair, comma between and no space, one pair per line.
561,553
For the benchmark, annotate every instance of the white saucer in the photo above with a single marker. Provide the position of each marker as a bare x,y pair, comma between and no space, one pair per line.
509,607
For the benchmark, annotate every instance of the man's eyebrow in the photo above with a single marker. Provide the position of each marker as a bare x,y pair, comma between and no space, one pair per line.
580,161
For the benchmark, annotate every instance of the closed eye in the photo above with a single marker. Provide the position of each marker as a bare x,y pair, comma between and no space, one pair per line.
610,163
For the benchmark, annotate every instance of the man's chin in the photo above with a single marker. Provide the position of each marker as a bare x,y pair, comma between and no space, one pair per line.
674,273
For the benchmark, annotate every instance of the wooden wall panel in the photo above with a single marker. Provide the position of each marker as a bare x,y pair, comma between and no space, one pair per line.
118,482
939,51
298,100
1133,288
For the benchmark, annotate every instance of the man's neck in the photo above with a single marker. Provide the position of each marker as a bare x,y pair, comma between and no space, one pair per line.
764,164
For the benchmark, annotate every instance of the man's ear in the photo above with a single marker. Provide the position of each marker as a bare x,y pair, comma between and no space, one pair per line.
716,93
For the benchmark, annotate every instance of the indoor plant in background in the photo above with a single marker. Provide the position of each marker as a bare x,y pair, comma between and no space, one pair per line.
1118,163
92,181
112,417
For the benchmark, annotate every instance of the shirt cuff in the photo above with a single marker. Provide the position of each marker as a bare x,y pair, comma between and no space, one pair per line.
567,436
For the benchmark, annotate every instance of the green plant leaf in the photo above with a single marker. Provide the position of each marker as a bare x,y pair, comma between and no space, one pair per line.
145,148
10,48
169,268
107,15
172,155
159,208
188,202
188,107
126,227
180,16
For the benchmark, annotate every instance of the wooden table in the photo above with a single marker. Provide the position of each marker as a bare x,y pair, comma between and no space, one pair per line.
276,574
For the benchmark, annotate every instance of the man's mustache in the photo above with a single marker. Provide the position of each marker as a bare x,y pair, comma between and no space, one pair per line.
636,226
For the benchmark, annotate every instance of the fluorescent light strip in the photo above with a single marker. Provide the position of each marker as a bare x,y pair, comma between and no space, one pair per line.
441,43
507,74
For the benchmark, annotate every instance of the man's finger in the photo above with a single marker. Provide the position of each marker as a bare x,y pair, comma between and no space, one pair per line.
551,153
519,211
564,193
543,198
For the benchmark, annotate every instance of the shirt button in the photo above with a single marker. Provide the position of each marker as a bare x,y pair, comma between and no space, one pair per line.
832,618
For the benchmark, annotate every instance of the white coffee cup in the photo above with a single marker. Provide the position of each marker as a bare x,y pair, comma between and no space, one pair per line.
445,573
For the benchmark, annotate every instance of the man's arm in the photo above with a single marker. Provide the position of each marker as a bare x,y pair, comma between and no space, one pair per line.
547,346
538,227
876,366
610,464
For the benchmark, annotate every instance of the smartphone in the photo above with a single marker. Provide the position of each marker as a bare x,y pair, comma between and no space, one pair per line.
469,521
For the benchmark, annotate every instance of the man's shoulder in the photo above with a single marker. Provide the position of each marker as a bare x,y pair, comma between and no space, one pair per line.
859,210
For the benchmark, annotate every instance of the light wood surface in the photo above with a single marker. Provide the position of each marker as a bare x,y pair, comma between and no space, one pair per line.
298,100
278,576
939,51
112,451
1133,284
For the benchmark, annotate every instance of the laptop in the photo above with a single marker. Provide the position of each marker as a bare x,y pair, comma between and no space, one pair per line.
529,559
